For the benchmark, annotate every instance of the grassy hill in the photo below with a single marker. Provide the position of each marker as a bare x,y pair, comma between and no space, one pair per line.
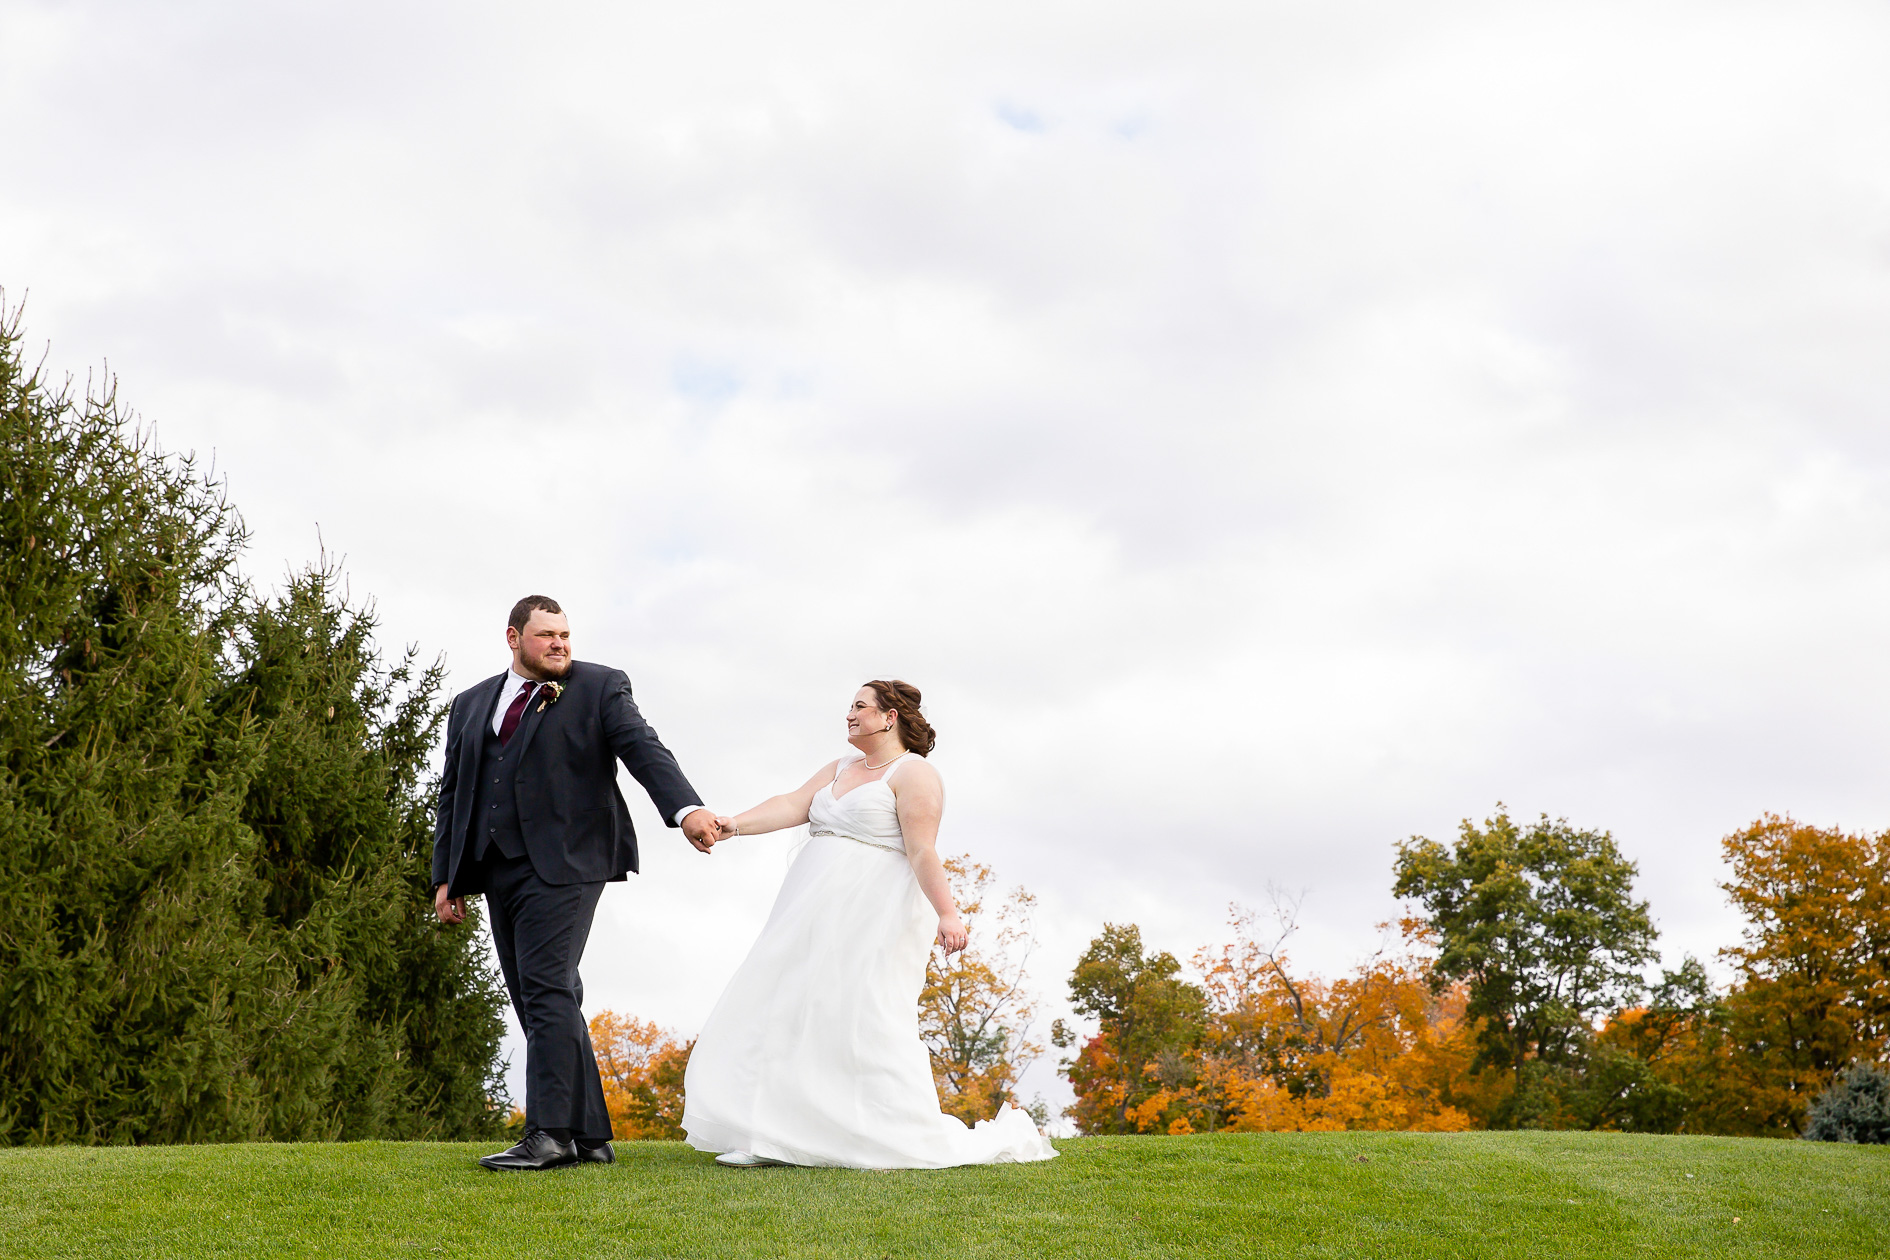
1346,1194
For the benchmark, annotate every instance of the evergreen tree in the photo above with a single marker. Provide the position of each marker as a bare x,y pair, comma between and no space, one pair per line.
212,823
126,988
402,1033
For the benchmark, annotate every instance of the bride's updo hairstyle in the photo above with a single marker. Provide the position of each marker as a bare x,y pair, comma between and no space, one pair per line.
901,699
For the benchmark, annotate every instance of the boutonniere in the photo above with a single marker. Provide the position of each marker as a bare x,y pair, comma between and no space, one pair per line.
557,692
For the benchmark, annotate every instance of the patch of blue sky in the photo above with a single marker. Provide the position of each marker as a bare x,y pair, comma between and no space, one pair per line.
794,385
1130,127
1019,118
711,384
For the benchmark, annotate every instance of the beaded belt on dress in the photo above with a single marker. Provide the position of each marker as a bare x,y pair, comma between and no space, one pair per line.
841,835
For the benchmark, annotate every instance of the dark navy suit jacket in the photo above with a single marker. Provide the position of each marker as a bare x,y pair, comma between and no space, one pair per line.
576,826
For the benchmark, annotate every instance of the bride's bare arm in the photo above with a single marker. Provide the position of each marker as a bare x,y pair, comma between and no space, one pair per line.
786,810
920,796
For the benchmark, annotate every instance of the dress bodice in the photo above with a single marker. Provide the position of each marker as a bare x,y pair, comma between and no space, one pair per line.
868,813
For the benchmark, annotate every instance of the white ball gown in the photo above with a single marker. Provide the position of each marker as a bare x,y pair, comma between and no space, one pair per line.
812,1055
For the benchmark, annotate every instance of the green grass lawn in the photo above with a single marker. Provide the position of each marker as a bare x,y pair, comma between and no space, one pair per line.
1343,1194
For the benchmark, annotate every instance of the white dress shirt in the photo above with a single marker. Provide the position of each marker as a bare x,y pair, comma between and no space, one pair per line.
516,682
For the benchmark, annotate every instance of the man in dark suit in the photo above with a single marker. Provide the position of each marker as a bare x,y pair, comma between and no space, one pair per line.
530,815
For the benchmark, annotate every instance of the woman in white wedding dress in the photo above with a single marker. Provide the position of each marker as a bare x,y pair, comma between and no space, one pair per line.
812,1055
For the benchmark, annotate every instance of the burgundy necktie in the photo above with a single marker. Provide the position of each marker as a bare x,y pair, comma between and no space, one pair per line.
515,712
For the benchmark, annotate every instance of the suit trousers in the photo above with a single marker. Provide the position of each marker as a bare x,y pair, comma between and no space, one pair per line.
539,930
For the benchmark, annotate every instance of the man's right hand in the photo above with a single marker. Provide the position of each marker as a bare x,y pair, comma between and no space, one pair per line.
450,909
699,826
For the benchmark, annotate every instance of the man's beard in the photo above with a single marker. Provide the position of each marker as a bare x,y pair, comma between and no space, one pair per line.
549,670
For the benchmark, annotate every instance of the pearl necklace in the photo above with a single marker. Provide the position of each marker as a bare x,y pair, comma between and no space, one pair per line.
882,765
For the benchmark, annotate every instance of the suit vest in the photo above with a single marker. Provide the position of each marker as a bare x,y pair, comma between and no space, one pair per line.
495,801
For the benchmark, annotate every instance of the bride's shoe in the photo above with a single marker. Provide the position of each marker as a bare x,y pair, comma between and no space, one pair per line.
742,1159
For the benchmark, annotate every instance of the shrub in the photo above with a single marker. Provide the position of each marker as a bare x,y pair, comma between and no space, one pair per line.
1855,1107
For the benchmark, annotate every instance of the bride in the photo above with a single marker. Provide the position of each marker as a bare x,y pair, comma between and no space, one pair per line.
812,1054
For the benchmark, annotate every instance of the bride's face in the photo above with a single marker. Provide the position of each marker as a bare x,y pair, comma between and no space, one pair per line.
865,718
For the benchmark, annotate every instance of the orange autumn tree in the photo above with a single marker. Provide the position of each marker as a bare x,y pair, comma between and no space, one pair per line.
1813,993
1256,1046
642,1069
1377,1049
974,1012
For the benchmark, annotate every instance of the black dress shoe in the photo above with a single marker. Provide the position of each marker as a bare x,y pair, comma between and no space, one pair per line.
596,1154
538,1150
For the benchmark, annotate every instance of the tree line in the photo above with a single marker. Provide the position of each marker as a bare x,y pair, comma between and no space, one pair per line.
1516,994
1517,997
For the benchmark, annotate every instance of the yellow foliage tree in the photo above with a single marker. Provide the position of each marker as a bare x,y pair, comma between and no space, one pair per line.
1377,1049
975,1013
1813,993
642,1069
1373,1050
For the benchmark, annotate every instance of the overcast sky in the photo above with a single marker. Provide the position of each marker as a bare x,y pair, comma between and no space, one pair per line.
1265,431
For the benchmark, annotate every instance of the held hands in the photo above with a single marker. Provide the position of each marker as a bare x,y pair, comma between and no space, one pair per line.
700,827
704,828
951,933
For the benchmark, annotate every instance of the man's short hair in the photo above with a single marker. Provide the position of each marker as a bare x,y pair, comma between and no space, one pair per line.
523,610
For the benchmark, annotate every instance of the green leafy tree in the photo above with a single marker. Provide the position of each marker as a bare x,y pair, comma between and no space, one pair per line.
1150,1022
1642,1074
1542,926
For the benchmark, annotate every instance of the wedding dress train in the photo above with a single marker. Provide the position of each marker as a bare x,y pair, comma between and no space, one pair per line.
812,1054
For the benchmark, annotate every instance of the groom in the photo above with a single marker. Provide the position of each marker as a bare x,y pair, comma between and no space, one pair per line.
530,815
